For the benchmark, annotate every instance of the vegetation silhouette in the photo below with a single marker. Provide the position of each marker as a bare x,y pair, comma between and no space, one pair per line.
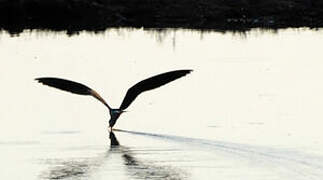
73,16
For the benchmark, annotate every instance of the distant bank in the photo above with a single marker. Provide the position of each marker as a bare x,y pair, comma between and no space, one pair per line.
98,15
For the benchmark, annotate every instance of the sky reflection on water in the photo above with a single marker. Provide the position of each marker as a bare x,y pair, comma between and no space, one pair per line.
251,108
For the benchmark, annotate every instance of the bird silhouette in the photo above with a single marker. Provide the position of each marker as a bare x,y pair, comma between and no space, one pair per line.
132,93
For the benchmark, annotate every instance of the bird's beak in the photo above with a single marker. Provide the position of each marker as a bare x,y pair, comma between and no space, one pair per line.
124,111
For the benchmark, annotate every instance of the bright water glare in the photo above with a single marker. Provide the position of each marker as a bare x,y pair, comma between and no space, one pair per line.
251,109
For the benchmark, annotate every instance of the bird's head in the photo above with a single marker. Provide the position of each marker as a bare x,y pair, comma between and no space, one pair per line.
116,111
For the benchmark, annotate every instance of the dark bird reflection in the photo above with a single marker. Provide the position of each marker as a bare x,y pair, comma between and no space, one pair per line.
85,168
68,170
113,140
139,169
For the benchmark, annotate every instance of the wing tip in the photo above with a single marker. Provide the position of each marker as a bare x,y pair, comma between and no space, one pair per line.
188,71
40,80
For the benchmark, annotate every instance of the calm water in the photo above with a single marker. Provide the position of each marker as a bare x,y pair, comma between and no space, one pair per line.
252,108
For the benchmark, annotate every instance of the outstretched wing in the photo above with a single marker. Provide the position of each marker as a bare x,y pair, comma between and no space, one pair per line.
71,86
149,84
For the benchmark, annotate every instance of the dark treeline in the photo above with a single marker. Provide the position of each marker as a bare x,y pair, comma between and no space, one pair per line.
97,15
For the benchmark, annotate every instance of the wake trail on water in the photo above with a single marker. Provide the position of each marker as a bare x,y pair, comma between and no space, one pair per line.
296,164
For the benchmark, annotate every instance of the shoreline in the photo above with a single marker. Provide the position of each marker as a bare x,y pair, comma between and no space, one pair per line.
217,15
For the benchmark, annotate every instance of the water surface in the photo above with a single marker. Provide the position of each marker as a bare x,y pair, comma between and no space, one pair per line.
250,110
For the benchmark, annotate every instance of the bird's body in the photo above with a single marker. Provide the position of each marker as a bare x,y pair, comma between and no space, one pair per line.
114,115
132,93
